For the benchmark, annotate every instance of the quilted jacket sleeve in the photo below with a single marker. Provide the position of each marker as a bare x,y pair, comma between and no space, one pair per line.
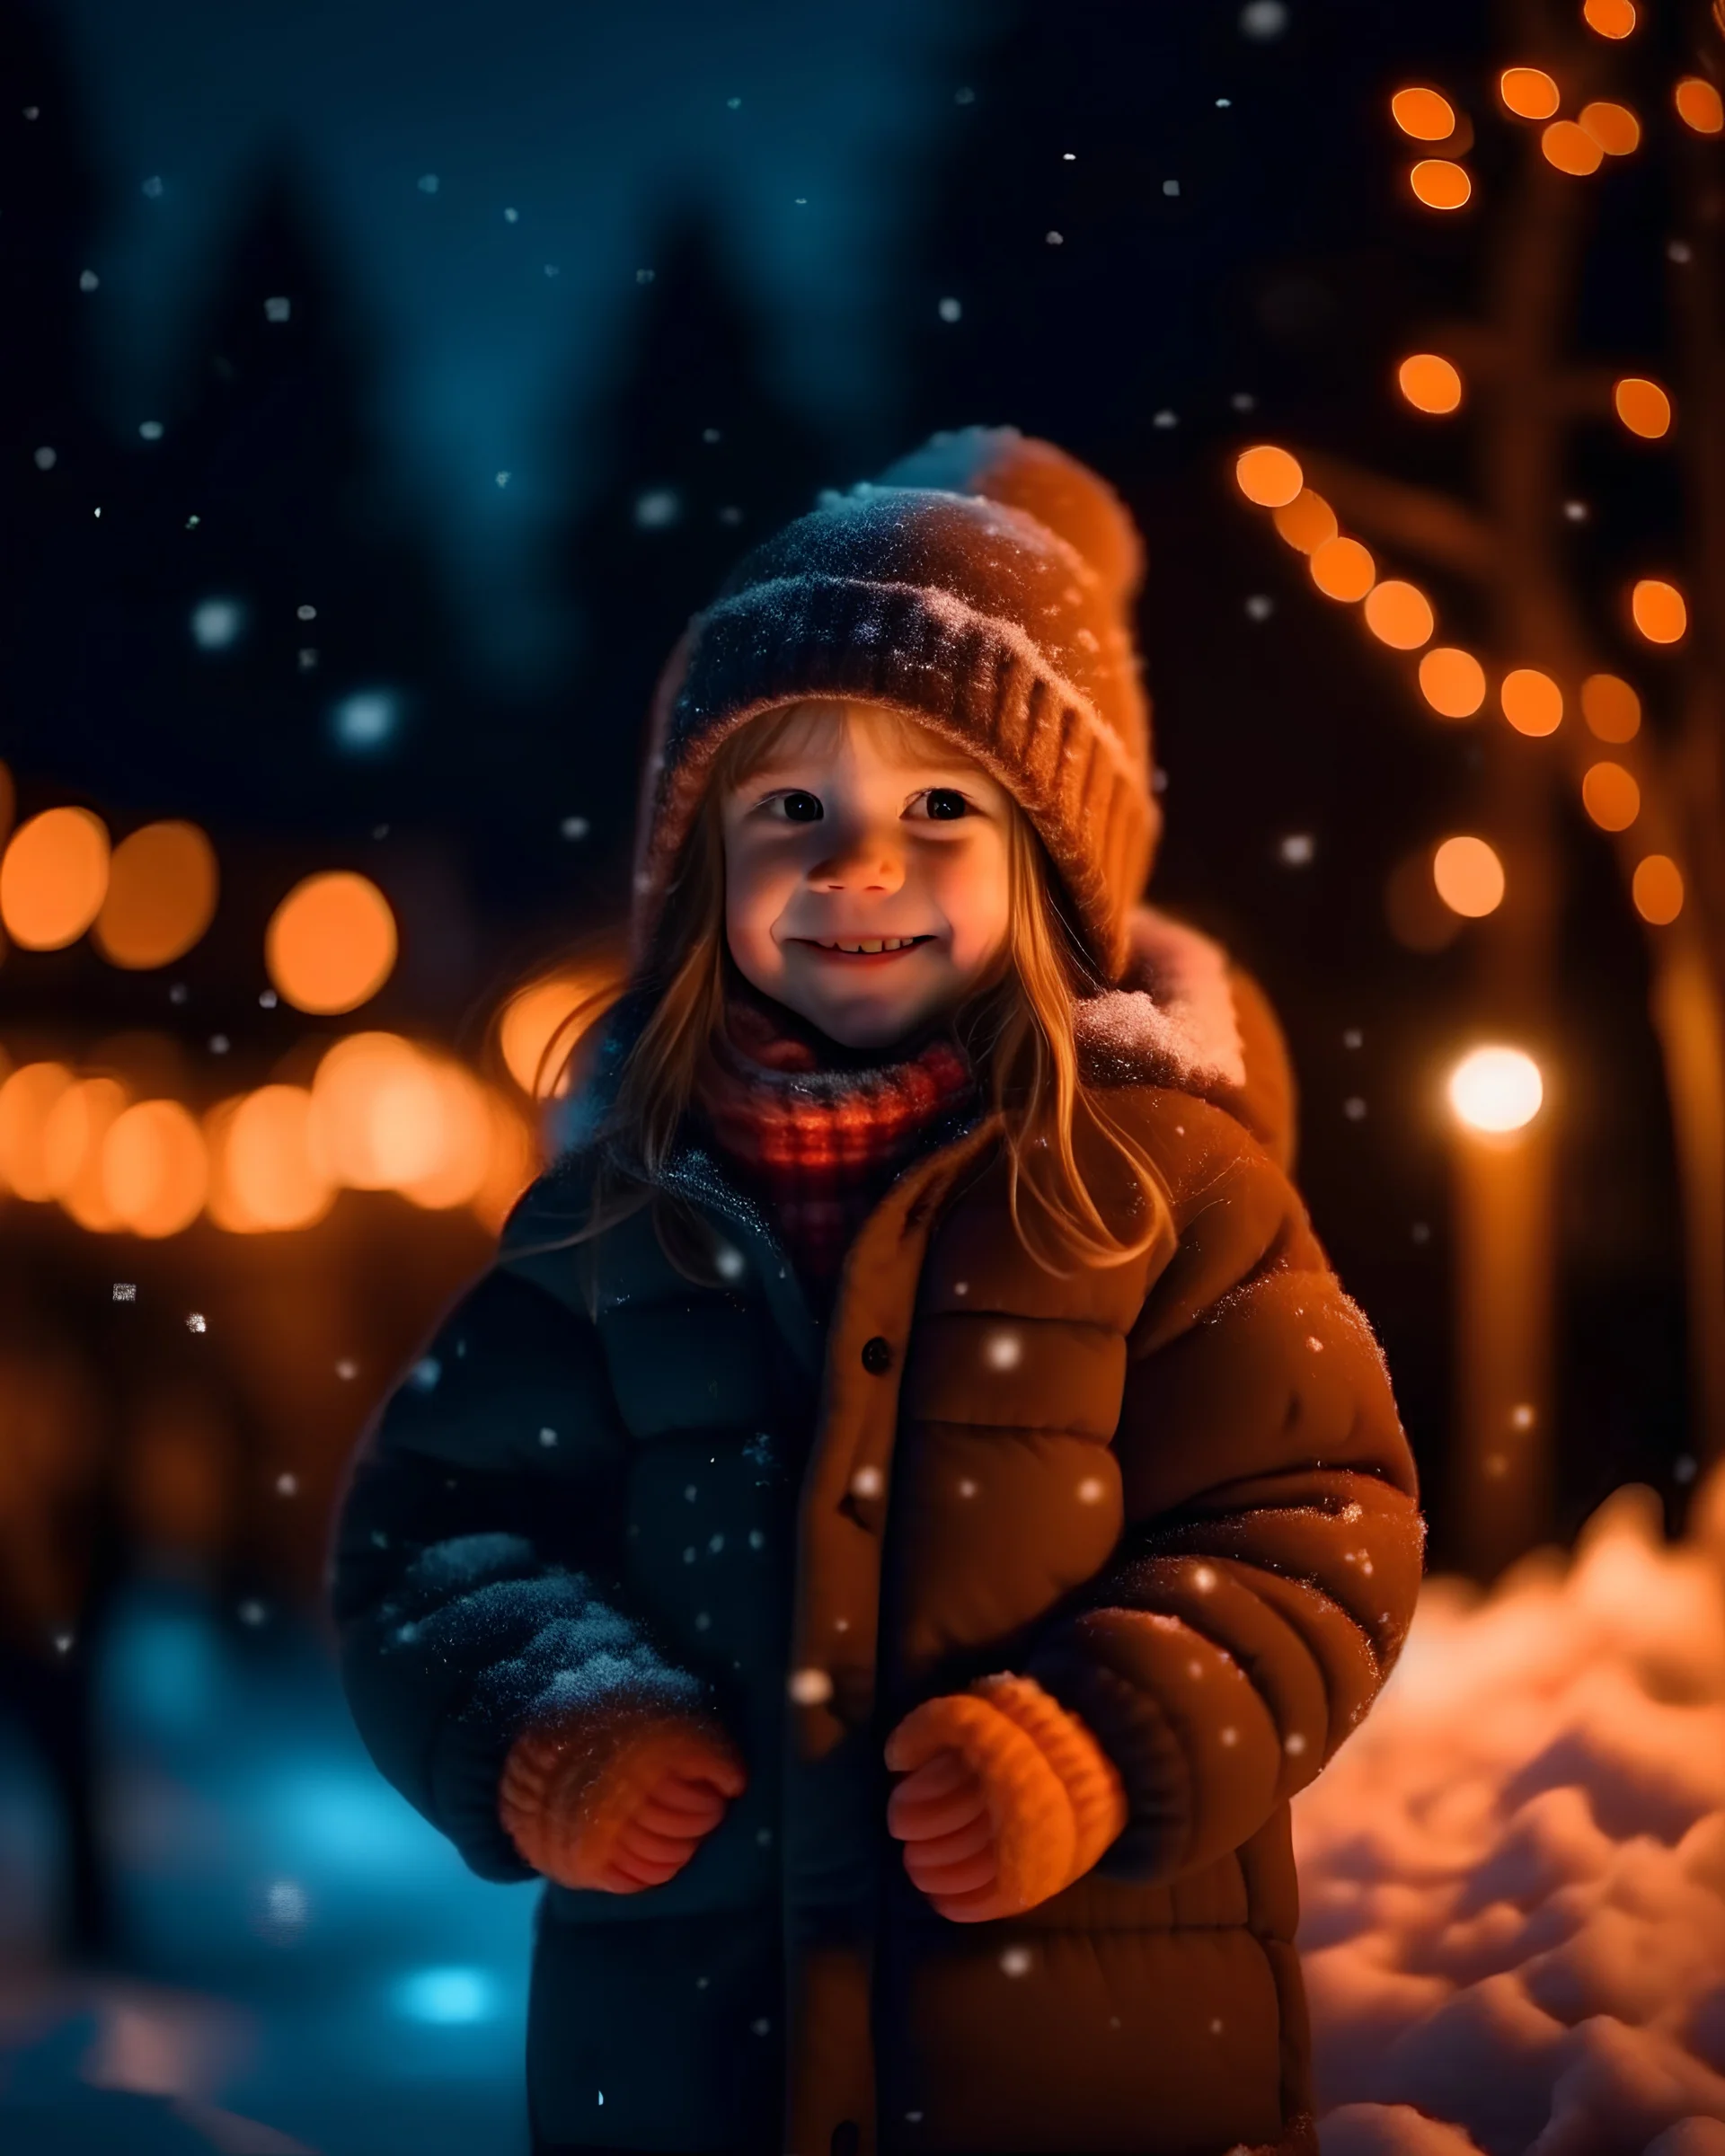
1273,1545
476,1568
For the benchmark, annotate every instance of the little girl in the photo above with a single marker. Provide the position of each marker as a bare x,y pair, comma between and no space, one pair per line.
911,1502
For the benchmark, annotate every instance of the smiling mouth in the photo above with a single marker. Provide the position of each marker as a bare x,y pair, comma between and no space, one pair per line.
865,947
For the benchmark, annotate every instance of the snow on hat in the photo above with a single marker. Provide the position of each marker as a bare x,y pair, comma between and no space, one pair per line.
982,585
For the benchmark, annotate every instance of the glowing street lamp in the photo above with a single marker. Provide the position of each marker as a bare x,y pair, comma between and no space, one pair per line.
1501,1162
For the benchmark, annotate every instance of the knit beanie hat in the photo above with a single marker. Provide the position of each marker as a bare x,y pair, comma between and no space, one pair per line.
983,585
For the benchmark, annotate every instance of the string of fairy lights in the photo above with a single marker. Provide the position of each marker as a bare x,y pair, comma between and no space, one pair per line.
378,1111
1454,682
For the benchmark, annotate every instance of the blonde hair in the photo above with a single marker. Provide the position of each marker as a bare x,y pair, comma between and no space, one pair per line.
1018,1028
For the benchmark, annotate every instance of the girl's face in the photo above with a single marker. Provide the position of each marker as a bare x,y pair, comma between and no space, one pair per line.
866,873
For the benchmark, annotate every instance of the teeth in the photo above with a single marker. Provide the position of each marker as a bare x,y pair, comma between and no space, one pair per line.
872,944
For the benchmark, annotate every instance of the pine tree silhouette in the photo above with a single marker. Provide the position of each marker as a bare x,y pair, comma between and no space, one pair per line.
703,457
51,454
283,631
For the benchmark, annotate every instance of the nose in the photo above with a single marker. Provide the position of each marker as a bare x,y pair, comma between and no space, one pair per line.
864,856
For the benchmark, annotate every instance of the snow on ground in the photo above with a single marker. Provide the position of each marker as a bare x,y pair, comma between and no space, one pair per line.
1513,1882
301,1949
1512,1876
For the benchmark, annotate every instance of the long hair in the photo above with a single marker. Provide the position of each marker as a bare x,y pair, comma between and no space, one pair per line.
1018,1028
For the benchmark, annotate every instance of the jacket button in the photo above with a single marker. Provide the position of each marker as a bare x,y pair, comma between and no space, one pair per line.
877,1355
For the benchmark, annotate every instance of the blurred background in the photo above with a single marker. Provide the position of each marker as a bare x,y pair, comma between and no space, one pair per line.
383,387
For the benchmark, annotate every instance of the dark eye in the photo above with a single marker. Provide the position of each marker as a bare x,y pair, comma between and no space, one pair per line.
802,807
945,802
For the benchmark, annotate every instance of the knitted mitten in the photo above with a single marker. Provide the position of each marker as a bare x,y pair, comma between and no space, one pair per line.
572,1794
1054,1797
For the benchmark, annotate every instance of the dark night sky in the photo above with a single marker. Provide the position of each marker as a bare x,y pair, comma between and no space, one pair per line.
581,118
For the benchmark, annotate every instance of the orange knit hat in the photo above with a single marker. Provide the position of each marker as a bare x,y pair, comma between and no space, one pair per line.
982,585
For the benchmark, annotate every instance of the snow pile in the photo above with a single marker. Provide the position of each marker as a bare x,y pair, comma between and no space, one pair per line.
1513,1875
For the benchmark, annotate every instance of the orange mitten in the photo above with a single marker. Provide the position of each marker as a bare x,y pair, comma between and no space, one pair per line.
1054,1798
618,1801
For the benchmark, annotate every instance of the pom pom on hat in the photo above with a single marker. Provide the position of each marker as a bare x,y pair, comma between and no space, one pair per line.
1024,472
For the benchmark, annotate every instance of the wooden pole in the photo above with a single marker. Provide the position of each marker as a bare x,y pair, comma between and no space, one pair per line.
1500,1460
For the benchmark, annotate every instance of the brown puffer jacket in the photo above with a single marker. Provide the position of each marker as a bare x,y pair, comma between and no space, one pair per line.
1175,1493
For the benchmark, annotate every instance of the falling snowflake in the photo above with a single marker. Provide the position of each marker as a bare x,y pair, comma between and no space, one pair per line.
950,310
1263,20
195,1322
125,1291
279,309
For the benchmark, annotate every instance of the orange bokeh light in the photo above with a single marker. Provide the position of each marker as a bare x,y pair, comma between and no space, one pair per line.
1571,149
155,1169
1642,406
1429,382
1343,568
331,942
1440,183
1452,681
1659,611
1529,92
1532,702
512,1165
1400,614
72,1143
269,1167
465,1147
1657,889
392,1117
1611,797
532,1017
1611,708
161,897
1469,877
54,878
1610,18
1268,475
1699,106
1425,114
1614,126
1306,521
27,1101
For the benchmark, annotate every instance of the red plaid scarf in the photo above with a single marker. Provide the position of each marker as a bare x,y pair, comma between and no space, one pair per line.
817,1131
